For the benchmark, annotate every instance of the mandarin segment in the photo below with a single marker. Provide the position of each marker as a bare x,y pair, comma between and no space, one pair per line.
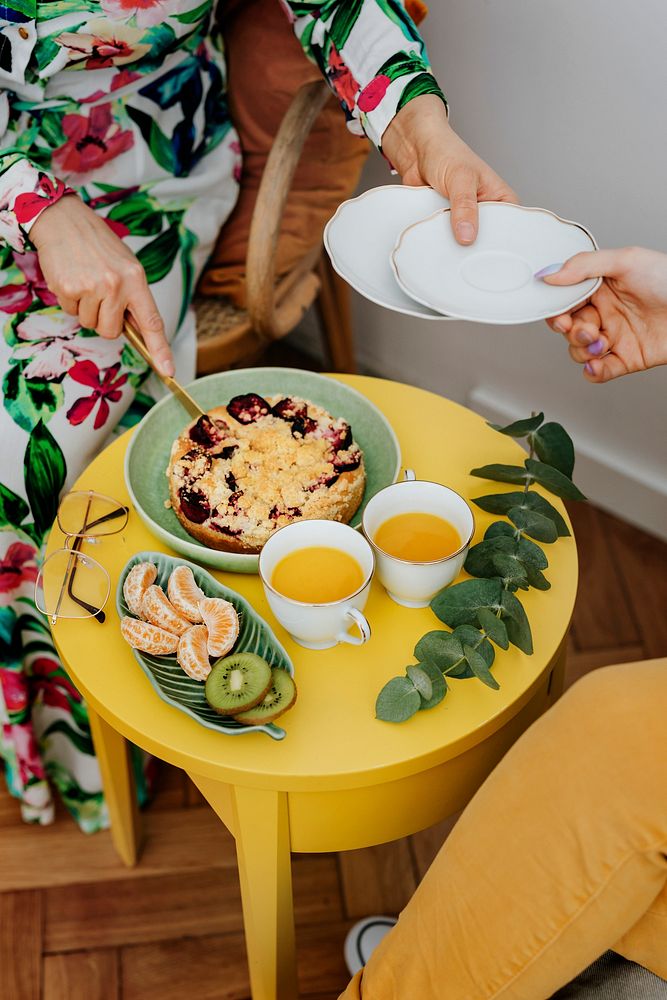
148,638
157,609
184,593
136,583
192,653
222,622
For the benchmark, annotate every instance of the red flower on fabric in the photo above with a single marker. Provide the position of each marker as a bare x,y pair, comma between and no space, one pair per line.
119,228
342,81
14,687
28,206
105,387
18,566
93,140
49,677
19,298
373,92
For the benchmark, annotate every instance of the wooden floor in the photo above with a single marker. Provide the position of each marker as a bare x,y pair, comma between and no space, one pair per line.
76,925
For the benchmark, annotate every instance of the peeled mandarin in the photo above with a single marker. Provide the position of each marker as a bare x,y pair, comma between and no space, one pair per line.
184,593
157,609
222,622
148,638
192,653
136,583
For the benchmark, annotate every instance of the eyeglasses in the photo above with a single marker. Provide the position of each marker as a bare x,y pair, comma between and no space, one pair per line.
83,516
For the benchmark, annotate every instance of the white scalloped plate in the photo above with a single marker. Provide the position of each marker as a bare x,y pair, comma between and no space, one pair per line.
493,280
360,238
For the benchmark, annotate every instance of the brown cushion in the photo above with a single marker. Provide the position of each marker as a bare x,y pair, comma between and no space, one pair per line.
266,67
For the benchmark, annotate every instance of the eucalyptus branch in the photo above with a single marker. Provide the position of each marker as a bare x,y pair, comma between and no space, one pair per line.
483,612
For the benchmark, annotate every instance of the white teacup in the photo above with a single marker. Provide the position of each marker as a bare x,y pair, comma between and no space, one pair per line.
410,583
319,626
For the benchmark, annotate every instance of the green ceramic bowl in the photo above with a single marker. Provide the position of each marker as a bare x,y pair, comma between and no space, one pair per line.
148,454
164,673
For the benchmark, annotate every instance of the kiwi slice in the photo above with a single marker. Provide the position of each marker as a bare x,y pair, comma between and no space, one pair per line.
237,683
280,696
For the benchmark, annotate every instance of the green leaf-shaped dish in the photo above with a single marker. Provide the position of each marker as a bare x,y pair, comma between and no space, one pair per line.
164,673
147,456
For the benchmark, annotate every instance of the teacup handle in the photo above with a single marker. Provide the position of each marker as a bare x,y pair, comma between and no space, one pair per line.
409,476
363,626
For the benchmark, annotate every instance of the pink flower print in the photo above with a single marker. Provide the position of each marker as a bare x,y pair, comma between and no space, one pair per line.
28,205
49,678
373,92
53,343
10,231
235,147
27,753
342,81
19,298
146,13
14,687
17,567
92,141
105,385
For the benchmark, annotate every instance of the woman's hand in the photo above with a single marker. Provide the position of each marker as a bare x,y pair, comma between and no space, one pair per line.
95,277
623,328
420,143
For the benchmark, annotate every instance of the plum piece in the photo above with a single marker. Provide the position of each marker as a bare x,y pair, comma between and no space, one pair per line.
288,409
224,529
194,505
276,512
228,451
234,500
339,435
207,433
347,461
326,479
192,456
230,479
302,427
248,408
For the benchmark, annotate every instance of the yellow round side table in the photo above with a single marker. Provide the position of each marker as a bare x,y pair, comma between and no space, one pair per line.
340,779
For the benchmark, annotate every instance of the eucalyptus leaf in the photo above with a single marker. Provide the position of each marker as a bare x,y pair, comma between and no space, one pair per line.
502,473
494,627
501,503
479,668
438,684
470,635
421,681
439,648
397,701
531,554
520,428
511,570
458,605
553,446
516,621
534,524
553,480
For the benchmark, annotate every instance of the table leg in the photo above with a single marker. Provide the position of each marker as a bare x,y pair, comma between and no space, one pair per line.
263,850
113,755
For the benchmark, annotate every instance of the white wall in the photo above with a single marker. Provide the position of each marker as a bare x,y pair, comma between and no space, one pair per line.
568,101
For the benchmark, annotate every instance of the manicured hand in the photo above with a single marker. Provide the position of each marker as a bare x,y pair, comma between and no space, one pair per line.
420,143
623,328
95,277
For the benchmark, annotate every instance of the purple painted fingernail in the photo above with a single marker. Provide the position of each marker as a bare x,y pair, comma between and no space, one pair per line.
588,368
549,269
596,348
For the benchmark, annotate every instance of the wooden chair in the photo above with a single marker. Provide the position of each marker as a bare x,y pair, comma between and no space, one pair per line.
228,336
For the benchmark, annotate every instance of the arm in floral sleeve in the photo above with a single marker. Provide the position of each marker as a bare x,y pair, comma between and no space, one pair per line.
371,54
25,190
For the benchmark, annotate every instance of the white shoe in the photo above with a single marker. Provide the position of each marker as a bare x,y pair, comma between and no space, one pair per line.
363,939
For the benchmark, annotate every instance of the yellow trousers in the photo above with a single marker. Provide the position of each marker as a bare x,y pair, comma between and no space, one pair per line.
561,855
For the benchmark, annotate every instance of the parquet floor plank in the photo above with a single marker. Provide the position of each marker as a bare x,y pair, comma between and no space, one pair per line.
21,945
644,561
602,617
177,840
136,911
84,975
214,968
377,879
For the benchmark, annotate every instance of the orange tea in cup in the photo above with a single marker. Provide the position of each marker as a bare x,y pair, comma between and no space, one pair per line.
417,537
317,574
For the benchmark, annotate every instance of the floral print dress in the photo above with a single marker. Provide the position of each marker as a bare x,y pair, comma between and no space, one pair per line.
123,103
